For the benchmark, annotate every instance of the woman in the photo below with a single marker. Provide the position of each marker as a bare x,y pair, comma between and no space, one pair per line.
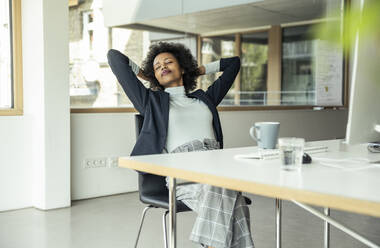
178,120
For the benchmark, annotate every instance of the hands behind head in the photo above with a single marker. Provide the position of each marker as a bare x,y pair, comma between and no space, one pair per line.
202,70
142,75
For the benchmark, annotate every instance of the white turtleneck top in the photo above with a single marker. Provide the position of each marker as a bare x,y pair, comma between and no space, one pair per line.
189,119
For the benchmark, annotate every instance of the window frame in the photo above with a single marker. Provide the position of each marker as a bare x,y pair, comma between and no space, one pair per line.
275,65
275,35
16,55
346,63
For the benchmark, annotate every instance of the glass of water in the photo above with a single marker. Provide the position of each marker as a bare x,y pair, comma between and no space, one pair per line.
291,152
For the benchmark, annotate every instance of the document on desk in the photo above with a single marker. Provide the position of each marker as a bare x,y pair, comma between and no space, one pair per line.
268,154
348,163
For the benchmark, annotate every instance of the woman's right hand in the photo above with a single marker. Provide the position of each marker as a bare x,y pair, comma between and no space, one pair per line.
142,76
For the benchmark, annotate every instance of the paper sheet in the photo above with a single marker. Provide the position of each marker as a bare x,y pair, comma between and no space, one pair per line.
328,73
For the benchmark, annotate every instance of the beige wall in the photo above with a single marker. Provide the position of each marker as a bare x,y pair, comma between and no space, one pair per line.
110,135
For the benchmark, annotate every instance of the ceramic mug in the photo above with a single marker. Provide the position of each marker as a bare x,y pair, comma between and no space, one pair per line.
265,134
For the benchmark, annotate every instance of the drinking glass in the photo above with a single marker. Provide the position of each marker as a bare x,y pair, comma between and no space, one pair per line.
291,152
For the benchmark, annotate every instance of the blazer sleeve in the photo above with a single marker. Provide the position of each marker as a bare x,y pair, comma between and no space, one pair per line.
132,86
230,68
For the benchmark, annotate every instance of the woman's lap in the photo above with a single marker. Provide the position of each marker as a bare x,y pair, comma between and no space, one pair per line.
223,216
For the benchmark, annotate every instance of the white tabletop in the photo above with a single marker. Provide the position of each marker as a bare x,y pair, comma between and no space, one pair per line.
355,190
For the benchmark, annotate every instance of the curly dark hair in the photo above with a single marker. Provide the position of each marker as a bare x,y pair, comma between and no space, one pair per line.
185,59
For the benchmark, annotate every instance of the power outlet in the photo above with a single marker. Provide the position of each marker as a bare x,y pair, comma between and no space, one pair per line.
94,163
113,162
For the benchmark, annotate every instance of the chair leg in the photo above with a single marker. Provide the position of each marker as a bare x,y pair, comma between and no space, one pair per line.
164,223
141,223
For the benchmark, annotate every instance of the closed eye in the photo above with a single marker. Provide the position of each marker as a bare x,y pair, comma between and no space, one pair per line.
166,62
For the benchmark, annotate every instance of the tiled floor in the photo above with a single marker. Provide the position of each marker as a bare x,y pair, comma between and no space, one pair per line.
112,222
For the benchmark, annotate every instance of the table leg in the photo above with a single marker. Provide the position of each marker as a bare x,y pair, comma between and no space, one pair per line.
327,230
278,223
336,224
172,213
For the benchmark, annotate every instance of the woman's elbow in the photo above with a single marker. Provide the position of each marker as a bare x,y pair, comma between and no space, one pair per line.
116,58
111,54
237,61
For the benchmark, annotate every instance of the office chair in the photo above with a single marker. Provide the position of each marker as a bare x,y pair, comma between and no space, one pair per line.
153,191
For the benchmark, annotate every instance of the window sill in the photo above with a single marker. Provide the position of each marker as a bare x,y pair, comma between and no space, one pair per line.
103,110
278,107
222,109
11,112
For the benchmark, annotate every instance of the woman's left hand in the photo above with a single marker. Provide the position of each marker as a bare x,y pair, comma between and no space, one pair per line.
202,70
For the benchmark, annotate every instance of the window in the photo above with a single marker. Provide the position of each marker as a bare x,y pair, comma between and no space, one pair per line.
215,48
92,83
298,74
312,69
253,71
280,66
10,58
5,57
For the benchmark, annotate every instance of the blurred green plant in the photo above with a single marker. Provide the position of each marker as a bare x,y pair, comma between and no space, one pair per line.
366,21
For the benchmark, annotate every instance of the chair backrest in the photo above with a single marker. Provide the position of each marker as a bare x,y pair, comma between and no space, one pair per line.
149,184
139,120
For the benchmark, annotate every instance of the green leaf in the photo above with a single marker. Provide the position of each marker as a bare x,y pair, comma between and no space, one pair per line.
366,22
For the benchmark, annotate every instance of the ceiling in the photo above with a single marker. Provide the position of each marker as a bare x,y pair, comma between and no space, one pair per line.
241,17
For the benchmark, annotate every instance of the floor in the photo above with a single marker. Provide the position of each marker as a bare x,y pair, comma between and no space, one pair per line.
112,222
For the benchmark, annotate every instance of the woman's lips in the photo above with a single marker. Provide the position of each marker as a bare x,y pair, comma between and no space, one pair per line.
165,72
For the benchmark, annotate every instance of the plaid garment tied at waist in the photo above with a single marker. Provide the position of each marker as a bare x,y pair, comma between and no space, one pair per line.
223,219
197,145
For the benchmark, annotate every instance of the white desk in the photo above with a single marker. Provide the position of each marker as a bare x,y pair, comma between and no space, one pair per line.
355,191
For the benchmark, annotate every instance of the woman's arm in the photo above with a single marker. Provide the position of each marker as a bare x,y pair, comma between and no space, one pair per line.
230,68
126,72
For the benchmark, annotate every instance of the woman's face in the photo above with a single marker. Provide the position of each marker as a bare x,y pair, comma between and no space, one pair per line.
167,70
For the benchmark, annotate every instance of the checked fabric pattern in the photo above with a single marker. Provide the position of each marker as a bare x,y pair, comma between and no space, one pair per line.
223,219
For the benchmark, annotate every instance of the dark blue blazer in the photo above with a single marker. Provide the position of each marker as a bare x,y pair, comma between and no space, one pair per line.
154,105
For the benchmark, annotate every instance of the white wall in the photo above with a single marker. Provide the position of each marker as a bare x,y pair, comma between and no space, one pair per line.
143,10
56,107
115,11
96,136
109,135
309,124
35,147
15,166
